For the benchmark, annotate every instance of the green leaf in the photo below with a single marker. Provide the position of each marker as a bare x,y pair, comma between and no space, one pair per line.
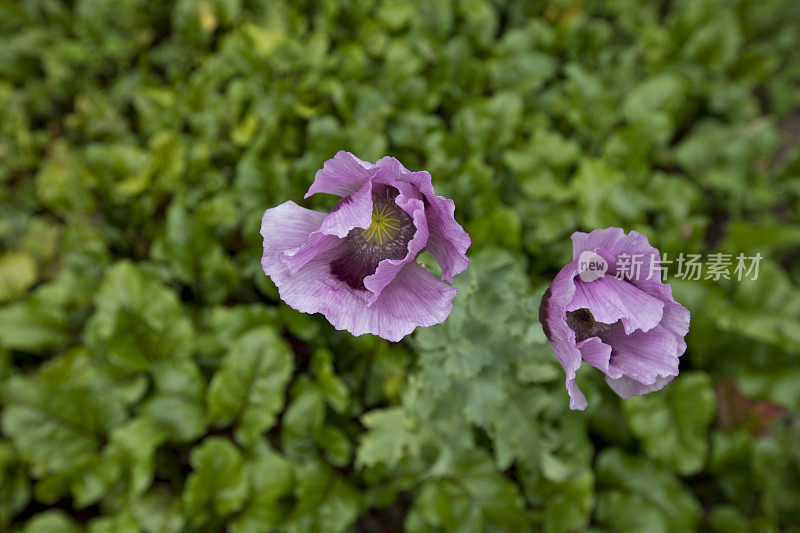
137,320
249,387
272,478
53,521
303,420
218,484
17,274
336,445
502,227
663,92
568,505
49,425
478,497
119,523
88,482
132,446
223,325
390,436
63,182
636,494
159,511
673,423
194,254
177,405
325,502
727,518
776,465
15,490
335,390
524,71
30,327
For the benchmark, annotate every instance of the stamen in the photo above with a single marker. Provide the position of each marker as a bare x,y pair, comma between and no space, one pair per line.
385,224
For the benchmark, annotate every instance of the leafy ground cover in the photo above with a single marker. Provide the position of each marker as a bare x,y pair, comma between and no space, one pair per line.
151,379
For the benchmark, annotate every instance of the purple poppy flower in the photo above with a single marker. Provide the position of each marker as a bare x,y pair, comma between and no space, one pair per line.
356,265
609,307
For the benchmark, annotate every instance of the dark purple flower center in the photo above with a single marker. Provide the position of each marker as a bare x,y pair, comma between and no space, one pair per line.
386,237
582,322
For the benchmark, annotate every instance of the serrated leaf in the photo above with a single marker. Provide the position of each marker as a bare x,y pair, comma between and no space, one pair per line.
390,436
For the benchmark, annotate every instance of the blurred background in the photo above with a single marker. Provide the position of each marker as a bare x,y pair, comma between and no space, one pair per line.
151,379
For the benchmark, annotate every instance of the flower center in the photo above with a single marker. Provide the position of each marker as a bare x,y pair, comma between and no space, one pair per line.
385,225
386,237
582,322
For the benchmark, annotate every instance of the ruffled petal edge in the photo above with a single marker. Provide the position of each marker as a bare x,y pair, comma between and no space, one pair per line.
561,337
448,242
342,175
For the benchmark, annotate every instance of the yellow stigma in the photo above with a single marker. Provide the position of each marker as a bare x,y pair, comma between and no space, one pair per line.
384,225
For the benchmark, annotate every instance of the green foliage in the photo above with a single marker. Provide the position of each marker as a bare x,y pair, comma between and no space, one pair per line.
636,495
16,491
673,426
17,274
218,484
249,386
151,380
137,321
